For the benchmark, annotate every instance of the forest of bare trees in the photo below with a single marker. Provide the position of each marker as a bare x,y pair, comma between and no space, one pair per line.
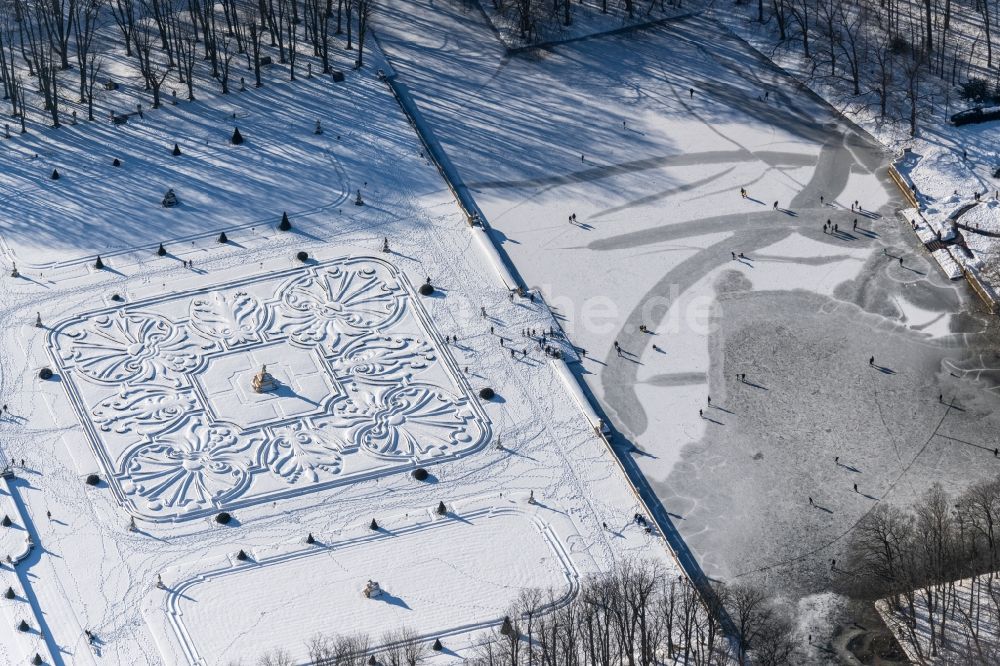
902,60
52,51
914,557
533,20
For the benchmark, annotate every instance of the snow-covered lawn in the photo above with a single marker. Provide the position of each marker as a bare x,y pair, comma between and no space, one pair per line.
153,359
439,576
102,209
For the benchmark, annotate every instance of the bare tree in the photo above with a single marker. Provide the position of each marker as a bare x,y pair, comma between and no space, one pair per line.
276,657
186,47
41,56
348,10
749,608
94,65
291,30
414,649
84,24
56,17
153,73
255,36
123,12
912,71
225,59
800,12
365,9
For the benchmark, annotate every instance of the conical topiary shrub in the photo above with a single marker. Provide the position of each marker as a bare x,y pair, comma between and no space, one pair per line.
242,555
442,509
506,628
310,539
285,225
176,151
37,660
23,626
98,264
55,174
9,594
373,525
6,522
237,137
437,647
223,238
161,251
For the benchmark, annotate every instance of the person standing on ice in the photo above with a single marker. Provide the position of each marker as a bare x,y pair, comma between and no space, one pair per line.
691,90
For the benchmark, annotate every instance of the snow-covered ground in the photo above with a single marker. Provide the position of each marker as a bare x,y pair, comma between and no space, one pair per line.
973,623
646,139
153,359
